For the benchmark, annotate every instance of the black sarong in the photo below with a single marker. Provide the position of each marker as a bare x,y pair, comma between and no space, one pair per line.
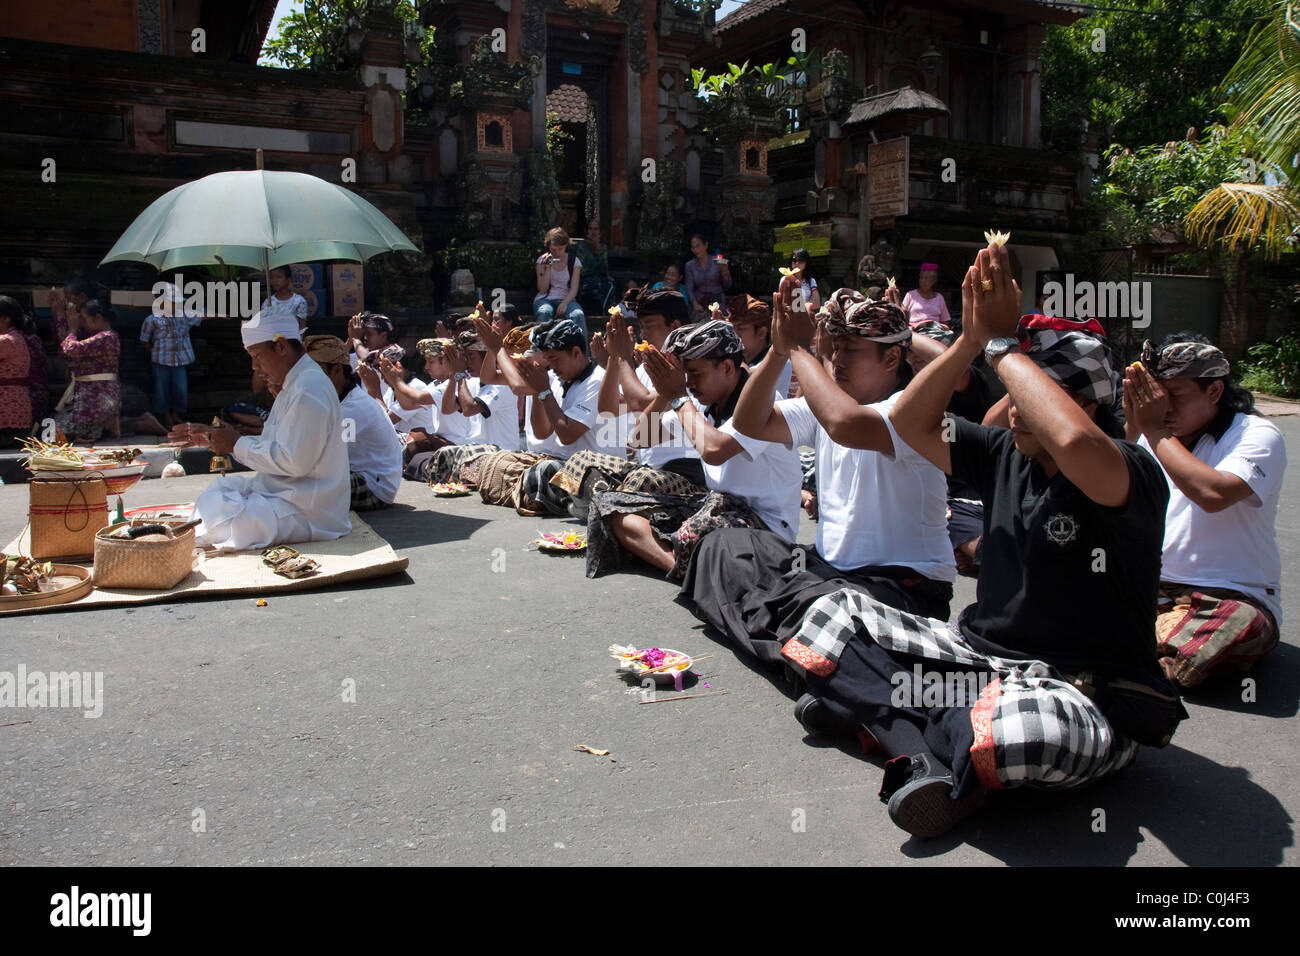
743,582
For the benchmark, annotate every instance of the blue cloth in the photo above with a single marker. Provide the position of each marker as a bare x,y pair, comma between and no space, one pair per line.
544,311
170,389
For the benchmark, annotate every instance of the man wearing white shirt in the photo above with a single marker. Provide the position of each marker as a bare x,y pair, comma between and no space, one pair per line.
299,488
563,412
882,507
1220,576
374,447
750,483
753,322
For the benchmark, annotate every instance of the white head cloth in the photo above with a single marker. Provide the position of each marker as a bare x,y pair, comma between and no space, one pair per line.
268,328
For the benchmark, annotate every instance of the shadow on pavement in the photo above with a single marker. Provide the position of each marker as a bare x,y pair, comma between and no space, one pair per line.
1204,813
403,526
1275,689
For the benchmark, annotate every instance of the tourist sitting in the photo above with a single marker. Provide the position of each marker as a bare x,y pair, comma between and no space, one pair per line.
374,447
597,287
299,488
559,276
1220,575
881,505
15,375
1037,690
750,483
753,323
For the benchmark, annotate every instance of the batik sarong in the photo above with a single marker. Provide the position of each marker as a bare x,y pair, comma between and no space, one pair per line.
678,520
916,685
500,477
448,463
1208,631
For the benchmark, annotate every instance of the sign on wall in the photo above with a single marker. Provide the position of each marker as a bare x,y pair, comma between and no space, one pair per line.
887,164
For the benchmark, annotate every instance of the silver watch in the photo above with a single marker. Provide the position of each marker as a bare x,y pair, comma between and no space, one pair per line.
544,395
1000,346
678,402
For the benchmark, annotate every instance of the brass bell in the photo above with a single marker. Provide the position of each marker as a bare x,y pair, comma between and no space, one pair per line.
220,463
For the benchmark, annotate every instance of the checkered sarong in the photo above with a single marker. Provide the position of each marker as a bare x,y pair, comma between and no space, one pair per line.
363,499
1032,727
448,462
584,466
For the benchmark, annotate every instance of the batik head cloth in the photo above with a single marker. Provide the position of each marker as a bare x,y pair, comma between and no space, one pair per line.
935,330
470,342
1184,360
712,340
376,321
267,328
518,339
839,302
870,319
1075,360
432,347
745,308
560,336
326,349
393,353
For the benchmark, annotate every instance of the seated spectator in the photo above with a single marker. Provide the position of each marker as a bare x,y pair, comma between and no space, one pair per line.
672,281
1220,576
15,375
752,320
559,275
597,287
750,483
374,447
926,303
881,505
1069,688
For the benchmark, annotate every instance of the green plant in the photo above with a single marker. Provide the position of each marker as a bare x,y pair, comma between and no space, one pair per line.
509,266
1276,367
557,140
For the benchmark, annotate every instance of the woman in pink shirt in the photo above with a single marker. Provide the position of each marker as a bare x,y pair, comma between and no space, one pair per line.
925,304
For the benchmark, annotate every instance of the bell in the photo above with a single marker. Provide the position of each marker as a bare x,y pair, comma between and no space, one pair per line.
220,463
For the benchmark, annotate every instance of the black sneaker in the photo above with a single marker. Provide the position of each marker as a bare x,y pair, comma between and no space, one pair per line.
810,712
924,806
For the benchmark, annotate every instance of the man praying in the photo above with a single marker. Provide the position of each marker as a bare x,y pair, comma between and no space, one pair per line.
299,488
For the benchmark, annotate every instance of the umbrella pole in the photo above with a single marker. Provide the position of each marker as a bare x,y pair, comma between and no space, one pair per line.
266,266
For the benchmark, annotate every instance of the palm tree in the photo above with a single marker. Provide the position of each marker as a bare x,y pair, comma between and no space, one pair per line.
1263,90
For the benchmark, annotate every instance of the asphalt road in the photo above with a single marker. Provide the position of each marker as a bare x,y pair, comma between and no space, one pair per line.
226,739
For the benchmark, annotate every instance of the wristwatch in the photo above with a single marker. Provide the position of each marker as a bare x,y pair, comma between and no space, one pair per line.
1000,346
461,376
544,395
678,402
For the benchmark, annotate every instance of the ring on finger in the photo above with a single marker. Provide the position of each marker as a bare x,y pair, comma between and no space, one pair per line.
986,285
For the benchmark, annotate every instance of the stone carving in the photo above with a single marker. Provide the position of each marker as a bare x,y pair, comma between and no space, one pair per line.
875,268
474,201
487,80
504,135
461,290
659,224
542,204
747,213
586,12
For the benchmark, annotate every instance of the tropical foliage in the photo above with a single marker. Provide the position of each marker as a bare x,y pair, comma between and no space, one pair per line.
1264,103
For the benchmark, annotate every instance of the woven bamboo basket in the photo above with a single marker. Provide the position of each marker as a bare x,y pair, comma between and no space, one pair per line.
125,564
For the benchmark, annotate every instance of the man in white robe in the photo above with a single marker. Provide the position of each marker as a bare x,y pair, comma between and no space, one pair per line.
299,489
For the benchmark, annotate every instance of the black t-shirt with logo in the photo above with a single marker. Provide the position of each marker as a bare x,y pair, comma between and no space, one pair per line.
1063,579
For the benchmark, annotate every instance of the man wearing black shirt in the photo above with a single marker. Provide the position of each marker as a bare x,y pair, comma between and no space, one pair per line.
1050,679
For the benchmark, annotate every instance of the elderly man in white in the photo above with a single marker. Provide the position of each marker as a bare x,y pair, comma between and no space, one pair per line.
299,490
